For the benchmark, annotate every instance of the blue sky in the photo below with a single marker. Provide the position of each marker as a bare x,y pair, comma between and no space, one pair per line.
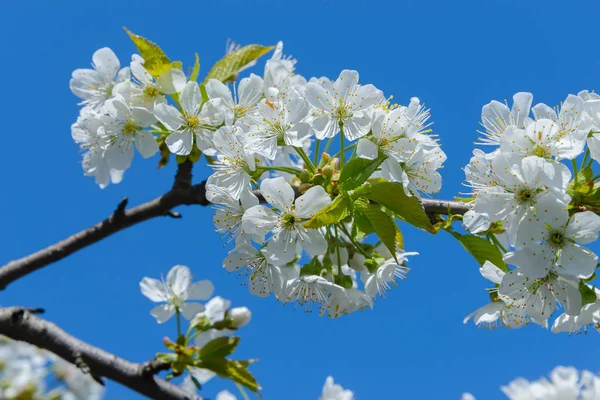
455,56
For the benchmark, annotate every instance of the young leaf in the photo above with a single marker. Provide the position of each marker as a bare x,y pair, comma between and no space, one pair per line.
235,370
361,226
482,250
588,295
196,70
337,210
357,171
226,68
155,60
391,195
219,347
383,225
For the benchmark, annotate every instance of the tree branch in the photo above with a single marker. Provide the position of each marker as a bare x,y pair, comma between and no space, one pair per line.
182,193
19,324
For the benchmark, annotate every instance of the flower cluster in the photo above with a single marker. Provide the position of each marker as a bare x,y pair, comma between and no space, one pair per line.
537,212
25,373
297,215
564,383
211,327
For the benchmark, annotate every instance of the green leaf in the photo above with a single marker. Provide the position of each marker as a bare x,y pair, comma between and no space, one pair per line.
155,60
391,195
196,70
337,210
361,226
219,347
227,67
235,370
588,295
383,225
357,171
482,250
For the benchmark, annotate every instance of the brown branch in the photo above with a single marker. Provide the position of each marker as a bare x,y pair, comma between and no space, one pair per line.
182,193
19,324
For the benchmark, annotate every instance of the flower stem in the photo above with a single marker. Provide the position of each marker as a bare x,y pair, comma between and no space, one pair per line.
354,242
341,145
575,171
585,157
316,162
337,249
178,314
242,391
497,242
328,145
289,170
352,146
307,163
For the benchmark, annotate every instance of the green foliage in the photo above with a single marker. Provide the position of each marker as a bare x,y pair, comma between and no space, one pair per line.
382,224
361,226
357,171
482,250
219,347
196,69
588,295
156,61
337,210
225,69
237,371
391,195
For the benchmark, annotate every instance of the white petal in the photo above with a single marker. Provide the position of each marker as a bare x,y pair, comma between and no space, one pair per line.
119,157
367,149
311,202
153,289
189,310
190,98
259,220
278,193
106,62
313,242
201,290
179,279
163,312
168,115
146,144
180,143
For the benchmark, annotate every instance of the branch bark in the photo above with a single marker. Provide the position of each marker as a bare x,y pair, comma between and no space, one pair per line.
182,193
20,324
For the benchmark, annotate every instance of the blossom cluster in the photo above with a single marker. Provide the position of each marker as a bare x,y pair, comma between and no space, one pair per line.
27,372
564,383
540,214
268,140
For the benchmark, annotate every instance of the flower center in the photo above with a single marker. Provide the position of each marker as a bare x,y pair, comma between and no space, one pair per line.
151,92
341,114
524,196
192,122
556,239
130,128
289,220
540,151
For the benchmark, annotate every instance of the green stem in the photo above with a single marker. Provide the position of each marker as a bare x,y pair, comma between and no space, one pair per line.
575,170
317,152
595,178
178,322
585,157
341,145
242,391
328,145
352,146
289,170
307,163
497,242
337,249
354,242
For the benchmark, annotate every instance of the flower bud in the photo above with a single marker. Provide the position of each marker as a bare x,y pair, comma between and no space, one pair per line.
240,316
